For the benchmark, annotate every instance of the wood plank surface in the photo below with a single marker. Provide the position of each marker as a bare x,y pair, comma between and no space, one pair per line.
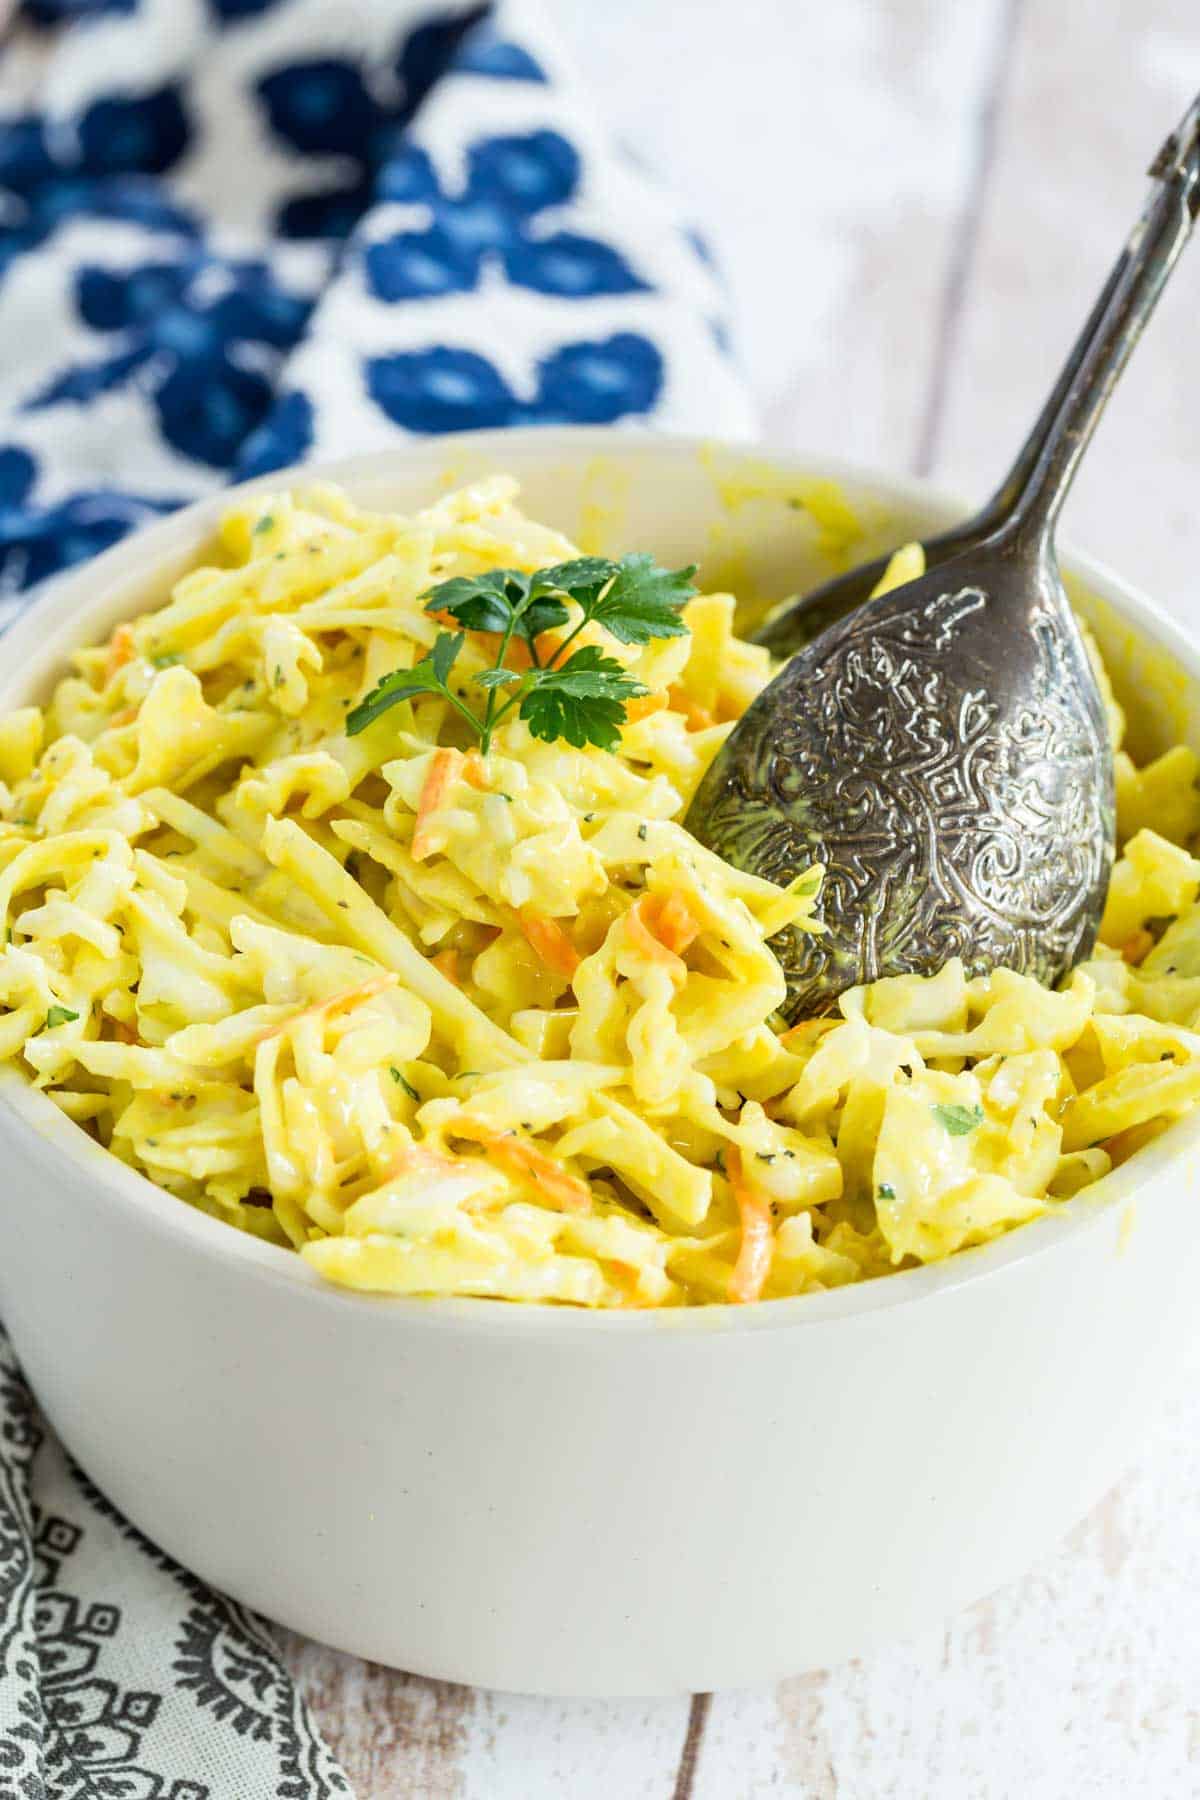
915,202
1093,89
402,1738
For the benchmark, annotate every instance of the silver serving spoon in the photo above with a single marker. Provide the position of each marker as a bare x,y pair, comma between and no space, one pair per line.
943,750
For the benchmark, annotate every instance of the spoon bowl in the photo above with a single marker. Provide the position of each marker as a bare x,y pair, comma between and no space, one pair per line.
944,753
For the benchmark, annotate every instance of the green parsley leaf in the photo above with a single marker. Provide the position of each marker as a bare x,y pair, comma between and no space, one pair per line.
484,602
443,656
496,678
167,659
543,612
429,676
59,1015
264,524
631,597
582,578
582,701
637,601
504,601
886,1191
580,697
958,1120
408,1087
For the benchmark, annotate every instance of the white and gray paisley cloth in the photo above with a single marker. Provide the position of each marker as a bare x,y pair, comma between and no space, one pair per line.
235,234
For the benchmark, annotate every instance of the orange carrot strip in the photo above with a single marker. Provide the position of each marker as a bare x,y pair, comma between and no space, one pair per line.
474,771
444,769
643,705
803,1032
640,935
125,717
447,962
627,1277
336,1003
120,651
698,717
758,1238
414,1159
1137,946
518,656
674,923
550,942
527,1164
548,644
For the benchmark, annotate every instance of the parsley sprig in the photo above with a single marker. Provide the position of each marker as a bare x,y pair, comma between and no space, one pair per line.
580,695
956,1119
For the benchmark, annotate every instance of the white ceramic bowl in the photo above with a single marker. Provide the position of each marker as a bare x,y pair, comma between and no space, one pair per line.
562,1502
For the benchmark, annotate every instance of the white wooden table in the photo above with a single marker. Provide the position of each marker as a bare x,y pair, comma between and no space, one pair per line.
915,201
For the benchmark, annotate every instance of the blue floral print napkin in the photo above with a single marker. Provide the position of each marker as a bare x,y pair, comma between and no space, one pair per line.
235,234
239,233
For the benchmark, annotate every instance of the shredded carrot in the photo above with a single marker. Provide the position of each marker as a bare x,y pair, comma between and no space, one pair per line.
125,717
643,705
625,1271
1137,946
444,769
662,927
803,1033
474,771
336,1003
673,922
447,962
640,933
518,655
414,1159
120,651
758,1238
526,1163
627,1277
698,717
550,942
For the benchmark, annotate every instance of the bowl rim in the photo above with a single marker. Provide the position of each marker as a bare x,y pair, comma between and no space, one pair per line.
82,593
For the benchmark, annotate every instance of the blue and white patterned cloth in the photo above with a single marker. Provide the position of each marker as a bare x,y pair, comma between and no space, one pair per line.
238,233
235,234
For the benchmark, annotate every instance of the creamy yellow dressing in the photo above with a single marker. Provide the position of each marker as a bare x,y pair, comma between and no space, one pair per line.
529,1049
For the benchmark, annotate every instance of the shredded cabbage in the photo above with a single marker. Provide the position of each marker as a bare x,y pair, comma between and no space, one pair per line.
534,1054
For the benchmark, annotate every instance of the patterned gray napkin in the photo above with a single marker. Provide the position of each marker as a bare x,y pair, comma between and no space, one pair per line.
122,1677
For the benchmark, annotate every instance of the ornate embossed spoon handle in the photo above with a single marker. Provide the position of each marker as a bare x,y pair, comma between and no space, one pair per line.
801,620
944,750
